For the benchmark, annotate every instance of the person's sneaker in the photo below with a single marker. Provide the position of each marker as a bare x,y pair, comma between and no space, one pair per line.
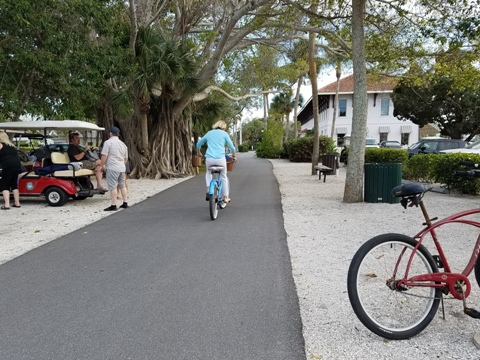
207,197
124,205
111,208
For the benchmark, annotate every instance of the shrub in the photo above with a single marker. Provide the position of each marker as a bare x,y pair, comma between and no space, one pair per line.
271,145
444,168
243,148
385,155
300,149
420,168
440,168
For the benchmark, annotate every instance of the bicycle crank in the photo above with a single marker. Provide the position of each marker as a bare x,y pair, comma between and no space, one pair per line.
469,311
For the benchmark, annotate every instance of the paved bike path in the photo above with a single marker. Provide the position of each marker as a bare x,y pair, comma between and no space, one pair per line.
161,281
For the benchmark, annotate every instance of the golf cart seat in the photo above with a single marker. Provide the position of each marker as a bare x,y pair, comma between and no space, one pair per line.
58,158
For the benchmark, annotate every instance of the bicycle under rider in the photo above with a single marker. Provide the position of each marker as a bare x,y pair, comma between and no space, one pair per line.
216,140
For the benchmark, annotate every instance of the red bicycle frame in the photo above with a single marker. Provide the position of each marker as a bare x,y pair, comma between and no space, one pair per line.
446,279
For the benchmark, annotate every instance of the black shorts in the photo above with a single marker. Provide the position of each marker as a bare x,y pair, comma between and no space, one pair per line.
9,179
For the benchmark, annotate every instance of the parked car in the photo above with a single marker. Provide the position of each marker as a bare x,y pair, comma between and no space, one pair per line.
390,144
473,148
434,146
371,143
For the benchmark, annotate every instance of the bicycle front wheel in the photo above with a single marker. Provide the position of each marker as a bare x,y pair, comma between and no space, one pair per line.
213,202
392,313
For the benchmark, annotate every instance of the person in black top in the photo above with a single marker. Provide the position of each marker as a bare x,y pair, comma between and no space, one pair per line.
10,164
76,154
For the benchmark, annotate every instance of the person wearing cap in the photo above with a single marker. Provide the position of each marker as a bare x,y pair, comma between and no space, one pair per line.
77,154
216,140
114,157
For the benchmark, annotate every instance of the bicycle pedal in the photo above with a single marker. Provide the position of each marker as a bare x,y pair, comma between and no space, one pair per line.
472,313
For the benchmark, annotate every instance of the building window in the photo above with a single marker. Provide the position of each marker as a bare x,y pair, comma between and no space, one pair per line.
342,107
405,137
384,106
383,136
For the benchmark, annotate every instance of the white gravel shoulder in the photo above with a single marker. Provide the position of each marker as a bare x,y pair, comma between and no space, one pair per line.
323,235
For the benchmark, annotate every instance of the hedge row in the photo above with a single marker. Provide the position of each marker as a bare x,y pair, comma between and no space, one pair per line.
300,149
440,169
431,168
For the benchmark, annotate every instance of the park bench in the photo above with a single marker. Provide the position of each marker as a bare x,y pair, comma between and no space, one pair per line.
323,170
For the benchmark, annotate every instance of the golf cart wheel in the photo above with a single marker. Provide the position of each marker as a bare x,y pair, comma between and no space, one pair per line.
56,196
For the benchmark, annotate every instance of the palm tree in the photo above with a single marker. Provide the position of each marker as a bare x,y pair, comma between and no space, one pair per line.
158,72
283,104
158,63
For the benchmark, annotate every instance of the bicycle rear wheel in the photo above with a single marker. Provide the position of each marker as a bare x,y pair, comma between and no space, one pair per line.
393,314
213,202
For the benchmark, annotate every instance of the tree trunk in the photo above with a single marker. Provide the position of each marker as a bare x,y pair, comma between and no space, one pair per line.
356,155
312,73
265,111
295,107
144,127
287,126
335,100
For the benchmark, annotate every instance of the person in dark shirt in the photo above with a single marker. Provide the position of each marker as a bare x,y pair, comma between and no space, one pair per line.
10,164
76,154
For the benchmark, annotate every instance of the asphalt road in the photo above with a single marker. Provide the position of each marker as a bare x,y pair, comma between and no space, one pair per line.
161,281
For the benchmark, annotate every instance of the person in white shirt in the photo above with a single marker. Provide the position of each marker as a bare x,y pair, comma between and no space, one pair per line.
114,157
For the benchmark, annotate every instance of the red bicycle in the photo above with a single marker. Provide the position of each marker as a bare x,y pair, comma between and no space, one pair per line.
395,284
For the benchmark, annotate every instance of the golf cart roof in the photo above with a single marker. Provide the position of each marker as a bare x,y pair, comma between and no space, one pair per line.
50,125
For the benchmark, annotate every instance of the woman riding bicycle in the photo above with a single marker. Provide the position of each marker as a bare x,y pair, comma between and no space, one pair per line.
216,140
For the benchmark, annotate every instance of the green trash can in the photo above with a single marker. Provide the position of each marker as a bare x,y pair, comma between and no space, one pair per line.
380,179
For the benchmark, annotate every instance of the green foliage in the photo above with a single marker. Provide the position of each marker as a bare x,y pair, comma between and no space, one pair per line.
51,65
444,168
243,148
385,155
420,168
252,132
440,168
438,96
271,145
328,145
300,149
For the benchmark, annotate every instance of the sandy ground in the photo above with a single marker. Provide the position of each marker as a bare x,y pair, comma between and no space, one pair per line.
324,233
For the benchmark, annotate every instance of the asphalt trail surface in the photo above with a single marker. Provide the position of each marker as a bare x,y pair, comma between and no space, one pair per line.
161,281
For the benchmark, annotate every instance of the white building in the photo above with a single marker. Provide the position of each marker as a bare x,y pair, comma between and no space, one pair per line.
381,124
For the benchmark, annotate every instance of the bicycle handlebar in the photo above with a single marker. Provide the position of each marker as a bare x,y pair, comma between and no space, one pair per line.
470,164
472,174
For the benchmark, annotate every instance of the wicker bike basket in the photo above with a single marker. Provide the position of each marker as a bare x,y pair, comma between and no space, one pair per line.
230,164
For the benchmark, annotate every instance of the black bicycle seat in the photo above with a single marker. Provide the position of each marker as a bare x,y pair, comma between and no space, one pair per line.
408,190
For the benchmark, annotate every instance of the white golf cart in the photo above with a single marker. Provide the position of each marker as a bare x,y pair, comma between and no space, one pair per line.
56,178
